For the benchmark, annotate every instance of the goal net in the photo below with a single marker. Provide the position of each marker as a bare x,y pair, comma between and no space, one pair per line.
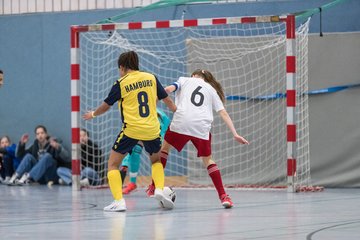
249,56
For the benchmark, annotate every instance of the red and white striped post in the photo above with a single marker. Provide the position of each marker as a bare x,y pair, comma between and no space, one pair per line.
75,109
291,102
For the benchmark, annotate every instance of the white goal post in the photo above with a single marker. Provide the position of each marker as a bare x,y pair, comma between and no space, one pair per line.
261,63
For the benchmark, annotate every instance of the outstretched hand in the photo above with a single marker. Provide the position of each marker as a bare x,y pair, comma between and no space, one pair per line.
24,138
88,115
241,140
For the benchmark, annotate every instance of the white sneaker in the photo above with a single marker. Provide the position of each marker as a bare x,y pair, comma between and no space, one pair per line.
116,206
12,179
163,200
84,182
61,182
24,180
7,180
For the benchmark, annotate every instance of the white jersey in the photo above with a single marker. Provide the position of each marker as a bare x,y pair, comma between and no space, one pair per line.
195,100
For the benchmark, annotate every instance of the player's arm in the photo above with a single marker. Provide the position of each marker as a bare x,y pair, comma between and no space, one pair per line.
226,118
162,95
104,107
113,96
172,88
170,103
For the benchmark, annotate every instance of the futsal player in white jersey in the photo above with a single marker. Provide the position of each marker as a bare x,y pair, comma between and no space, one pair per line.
196,98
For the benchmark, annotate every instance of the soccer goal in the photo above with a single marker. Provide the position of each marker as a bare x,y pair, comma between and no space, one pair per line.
261,63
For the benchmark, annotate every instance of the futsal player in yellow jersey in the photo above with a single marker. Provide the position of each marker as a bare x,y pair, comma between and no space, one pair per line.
137,93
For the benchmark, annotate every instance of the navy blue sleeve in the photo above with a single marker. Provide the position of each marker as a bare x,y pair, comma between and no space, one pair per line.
114,94
176,85
161,93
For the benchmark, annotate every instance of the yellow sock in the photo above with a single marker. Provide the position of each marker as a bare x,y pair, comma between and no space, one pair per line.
158,175
115,184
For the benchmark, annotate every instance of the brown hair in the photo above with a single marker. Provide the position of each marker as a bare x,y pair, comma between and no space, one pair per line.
40,126
85,131
7,137
129,60
209,78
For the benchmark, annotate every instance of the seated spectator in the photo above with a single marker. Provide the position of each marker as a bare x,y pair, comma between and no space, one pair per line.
40,161
91,162
9,161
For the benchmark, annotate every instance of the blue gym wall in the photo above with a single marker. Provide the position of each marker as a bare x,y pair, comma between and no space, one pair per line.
35,55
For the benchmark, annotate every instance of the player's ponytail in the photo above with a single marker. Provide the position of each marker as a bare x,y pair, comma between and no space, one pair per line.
129,60
209,78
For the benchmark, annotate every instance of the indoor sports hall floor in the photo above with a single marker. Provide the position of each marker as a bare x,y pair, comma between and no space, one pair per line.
39,212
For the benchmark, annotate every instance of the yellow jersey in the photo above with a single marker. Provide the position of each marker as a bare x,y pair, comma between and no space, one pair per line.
137,93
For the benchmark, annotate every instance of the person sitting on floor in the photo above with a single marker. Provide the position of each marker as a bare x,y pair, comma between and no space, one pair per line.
91,163
40,161
9,161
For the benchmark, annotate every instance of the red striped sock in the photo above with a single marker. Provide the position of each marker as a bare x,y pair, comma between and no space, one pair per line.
215,176
163,158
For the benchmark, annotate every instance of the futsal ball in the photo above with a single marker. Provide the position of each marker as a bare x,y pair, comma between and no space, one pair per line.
170,193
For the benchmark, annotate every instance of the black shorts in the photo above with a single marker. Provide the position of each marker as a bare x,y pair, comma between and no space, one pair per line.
125,144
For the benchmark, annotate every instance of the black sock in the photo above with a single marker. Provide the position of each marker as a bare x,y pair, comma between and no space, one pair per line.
123,172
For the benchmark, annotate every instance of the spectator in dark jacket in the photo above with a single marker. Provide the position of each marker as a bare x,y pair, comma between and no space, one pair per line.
8,161
40,161
91,163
